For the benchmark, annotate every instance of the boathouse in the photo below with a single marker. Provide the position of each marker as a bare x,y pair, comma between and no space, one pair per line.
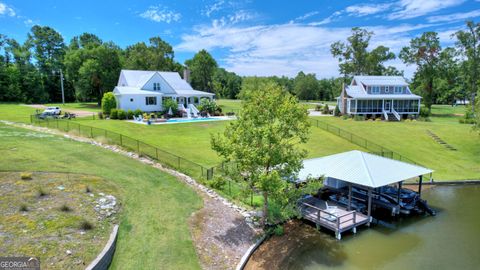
360,171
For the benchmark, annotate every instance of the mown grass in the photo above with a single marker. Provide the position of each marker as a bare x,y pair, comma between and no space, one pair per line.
153,230
82,106
411,139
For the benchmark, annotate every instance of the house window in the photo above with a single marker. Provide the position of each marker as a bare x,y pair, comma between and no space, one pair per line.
151,100
131,100
398,89
375,89
387,89
156,86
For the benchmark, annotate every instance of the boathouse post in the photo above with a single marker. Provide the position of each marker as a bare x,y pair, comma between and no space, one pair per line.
420,185
349,196
369,206
398,192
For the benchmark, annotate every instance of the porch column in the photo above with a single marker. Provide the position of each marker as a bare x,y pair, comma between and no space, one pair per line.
349,197
369,208
420,185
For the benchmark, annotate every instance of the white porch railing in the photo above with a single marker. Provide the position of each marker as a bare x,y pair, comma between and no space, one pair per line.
395,113
385,114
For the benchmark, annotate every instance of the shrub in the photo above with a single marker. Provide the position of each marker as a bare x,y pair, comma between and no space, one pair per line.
209,106
114,114
345,117
424,112
170,103
318,107
138,112
121,114
41,192
65,208
129,114
108,102
153,116
326,110
23,208
230,113
424,119
359,118
378,119
217,182
86,225
26,176
278,230
337,111
100,115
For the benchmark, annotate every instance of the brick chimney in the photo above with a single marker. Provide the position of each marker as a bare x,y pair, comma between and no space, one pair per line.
186,74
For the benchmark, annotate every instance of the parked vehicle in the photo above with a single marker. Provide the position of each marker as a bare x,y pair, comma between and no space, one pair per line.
52,111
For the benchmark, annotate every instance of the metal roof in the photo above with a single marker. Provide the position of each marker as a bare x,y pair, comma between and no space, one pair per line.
381,80
361,168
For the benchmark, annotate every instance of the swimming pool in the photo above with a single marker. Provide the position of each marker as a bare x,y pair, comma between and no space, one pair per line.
188,120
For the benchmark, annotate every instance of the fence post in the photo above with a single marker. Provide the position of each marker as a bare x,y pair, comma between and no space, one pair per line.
105,134
178,163
156,154
57,122
230,187
121,140
79,132
138,146
91,132
93,116
68,126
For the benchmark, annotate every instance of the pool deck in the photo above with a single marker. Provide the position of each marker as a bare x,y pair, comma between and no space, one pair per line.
186,120
335,217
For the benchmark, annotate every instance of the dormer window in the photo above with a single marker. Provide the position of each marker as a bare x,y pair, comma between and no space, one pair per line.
156,86
375,89
387,89
398,89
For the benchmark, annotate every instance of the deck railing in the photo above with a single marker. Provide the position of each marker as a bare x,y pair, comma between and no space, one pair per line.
330,217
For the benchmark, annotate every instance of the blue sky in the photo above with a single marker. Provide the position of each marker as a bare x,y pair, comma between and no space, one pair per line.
247,37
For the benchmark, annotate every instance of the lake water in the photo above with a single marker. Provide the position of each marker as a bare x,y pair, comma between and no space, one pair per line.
450,240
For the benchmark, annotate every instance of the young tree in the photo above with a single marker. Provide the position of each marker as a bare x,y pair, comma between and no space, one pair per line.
108,102
202,67
356,60
468,43
264,141
425,52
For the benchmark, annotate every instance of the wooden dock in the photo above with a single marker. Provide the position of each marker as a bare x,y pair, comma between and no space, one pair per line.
333,217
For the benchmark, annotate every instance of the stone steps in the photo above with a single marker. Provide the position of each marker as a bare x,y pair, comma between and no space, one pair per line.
440,141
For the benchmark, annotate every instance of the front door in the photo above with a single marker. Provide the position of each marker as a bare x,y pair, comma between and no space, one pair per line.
387,105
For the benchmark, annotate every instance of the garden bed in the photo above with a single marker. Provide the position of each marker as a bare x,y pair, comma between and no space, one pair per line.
64,219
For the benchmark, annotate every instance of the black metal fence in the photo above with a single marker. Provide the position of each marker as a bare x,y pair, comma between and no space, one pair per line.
372,147
103,135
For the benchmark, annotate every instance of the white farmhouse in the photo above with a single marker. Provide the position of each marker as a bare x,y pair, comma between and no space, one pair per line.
146,90
387,96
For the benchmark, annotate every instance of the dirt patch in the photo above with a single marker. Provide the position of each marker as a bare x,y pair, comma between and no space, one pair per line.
53,217
299,239
79,113
220,234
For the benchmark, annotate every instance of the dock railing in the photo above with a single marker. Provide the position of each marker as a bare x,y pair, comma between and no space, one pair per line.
329,218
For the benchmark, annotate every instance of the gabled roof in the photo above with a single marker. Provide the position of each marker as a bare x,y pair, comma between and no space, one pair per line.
138,78
381,80
361,168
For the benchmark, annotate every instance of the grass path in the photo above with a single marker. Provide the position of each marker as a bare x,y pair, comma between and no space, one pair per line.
153,232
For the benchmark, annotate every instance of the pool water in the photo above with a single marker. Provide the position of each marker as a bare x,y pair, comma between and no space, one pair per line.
201,119
450,240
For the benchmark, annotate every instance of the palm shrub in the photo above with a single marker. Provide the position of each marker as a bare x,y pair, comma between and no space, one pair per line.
170,103
138,112
326,110
108,102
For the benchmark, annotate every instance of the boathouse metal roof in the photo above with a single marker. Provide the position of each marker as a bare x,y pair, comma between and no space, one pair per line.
361,168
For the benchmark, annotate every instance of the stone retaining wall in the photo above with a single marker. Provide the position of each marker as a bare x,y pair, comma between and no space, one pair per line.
103,260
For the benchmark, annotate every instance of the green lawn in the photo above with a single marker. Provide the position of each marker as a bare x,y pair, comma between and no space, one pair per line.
153,231
16,112
412,140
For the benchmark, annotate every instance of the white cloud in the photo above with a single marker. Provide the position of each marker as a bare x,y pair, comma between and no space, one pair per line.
29,22
237,17
161,14
367,9
327,20
7,10
286,49
454,17
218,5
304,16
407,9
